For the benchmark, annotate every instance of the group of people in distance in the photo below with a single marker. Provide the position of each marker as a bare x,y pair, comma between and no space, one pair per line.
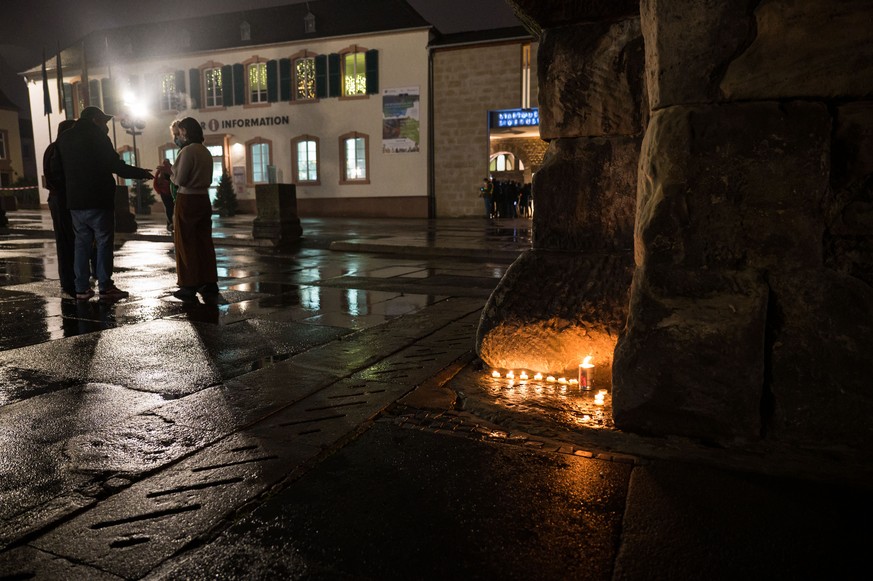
80,168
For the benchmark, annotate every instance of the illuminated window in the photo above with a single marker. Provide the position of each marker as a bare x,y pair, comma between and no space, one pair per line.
304,78
212,87
354,73
259,160
169,93
257,82
354,153
304,150
502,162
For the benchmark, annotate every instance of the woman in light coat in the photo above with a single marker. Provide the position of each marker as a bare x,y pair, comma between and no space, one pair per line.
196,269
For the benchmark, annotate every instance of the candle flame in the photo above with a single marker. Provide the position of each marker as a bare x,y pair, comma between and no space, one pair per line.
510,374
538,376
523,375
587,362
495,373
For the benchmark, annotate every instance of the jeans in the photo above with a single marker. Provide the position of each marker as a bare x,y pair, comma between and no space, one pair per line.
94,225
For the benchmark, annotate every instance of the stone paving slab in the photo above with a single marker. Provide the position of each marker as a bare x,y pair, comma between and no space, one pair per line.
135,530
30,563
404,504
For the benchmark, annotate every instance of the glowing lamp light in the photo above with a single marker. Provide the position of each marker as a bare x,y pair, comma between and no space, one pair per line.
574,382
585,369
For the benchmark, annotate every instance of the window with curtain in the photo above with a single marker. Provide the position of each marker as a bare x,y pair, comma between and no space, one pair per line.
305,160
212,87
354,154
257,81
169,94
259,161
304,78
354,74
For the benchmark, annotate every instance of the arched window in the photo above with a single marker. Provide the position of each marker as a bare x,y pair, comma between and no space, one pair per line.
354,158
256,81
210,75
259,159
305,160
503,161
353,64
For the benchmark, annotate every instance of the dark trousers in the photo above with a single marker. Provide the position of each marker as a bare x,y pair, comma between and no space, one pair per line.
65,242
192,235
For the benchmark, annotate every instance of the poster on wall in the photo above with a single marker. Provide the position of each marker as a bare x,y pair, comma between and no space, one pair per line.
239,179
400,122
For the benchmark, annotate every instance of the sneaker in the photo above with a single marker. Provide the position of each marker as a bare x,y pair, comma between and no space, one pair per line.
84,296
113,293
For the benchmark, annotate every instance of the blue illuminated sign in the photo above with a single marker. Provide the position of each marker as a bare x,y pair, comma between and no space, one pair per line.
515,118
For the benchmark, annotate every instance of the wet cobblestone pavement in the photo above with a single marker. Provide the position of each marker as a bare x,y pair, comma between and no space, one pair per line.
327,419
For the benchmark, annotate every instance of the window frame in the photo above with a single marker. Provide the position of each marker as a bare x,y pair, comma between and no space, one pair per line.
204,95
172,101
250,166
295,161
304,54
343,178
260,62
353,50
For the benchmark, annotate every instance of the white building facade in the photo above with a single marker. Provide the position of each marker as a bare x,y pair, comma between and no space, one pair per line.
327,96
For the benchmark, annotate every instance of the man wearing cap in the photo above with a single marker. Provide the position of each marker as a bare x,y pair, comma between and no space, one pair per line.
85,160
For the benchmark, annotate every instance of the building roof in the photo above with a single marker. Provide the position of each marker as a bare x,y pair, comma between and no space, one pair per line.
209,33
481,37
6,104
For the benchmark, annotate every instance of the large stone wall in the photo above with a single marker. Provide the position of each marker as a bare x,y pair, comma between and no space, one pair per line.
737,162
468,82
567,297
752,307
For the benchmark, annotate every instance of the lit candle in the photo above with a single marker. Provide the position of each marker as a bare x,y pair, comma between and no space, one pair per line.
510,375
574,382
563,381
585,373
495,373
551,379
522,375
538,376
598,397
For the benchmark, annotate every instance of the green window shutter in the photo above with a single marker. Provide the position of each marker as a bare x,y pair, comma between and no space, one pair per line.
239,84
372,59
194,87
227,85
110,107
334,76
272,81
321,76
284,79
68,100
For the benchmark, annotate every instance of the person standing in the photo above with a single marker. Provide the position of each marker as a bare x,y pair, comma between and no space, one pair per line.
486,192
196,267
85,160
62,221
162,186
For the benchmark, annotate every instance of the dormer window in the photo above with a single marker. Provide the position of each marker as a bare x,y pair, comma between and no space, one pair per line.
245,31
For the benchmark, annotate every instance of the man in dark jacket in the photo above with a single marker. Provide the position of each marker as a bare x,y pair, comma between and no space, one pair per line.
84,156
65,236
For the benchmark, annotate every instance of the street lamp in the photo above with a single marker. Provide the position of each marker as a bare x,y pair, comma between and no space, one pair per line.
133,125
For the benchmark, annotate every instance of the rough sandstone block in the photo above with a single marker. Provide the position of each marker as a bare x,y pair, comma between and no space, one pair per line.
691,361
805,48
591,80
689,43
585,194
551,309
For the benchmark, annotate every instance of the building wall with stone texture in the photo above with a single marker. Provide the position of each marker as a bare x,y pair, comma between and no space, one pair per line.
530,151
468,82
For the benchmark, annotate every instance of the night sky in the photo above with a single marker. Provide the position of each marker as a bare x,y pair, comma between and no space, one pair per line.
29,26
